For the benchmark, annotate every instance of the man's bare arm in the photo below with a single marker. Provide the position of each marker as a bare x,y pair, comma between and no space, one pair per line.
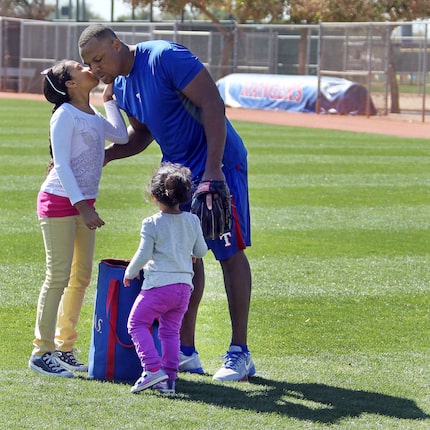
139,139
203,92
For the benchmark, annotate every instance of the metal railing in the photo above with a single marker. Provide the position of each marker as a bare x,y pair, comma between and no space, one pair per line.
380,56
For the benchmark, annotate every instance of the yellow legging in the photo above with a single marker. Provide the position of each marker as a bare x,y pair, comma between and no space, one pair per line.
69,248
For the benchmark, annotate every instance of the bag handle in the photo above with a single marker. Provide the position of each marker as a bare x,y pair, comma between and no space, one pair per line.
112,311
115,262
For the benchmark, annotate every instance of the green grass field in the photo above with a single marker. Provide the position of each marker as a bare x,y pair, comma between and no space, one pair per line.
340,314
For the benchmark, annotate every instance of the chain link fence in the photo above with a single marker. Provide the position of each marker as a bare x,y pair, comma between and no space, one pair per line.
390,59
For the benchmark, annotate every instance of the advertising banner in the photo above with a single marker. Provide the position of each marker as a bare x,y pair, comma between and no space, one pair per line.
294,93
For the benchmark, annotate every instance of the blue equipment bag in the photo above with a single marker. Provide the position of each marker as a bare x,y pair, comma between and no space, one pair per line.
112,356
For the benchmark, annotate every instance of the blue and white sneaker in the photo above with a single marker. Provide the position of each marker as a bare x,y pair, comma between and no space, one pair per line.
190,363
238,366
47,364
166,387
148,379
69,361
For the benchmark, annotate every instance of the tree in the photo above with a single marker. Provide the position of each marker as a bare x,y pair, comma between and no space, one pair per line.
35,9
312,11
387,10
240,11
298,12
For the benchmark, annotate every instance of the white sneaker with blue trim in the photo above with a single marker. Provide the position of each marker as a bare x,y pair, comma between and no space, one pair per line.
190,363
238,366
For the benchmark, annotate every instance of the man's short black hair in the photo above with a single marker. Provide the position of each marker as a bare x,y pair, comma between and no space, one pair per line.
99,31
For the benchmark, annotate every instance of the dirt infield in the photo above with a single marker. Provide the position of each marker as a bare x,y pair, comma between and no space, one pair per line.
399,125
393,125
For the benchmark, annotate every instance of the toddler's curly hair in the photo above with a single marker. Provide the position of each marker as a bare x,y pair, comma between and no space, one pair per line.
171,184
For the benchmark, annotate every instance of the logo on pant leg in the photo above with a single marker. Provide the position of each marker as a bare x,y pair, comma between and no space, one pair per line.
226,238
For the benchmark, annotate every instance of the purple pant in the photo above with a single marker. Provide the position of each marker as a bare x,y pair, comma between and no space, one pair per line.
168,304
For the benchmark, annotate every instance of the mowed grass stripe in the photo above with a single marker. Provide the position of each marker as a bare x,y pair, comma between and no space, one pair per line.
288,276
275,179
393,218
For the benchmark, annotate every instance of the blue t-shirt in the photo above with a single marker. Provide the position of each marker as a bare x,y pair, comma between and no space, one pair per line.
152,94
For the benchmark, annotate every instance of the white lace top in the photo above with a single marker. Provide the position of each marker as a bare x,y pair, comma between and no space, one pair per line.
78,140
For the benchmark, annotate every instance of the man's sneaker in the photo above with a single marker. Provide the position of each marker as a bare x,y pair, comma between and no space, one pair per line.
148,379
167,387
238,366
69,361
47,364
190,363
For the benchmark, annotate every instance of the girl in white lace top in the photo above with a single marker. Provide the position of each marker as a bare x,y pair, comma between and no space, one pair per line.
65,207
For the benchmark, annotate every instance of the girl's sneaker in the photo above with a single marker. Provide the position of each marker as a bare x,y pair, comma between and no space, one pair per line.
47,364
148,379
167,387
69,361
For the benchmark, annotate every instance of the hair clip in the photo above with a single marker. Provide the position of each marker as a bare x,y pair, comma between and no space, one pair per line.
46,74
46,71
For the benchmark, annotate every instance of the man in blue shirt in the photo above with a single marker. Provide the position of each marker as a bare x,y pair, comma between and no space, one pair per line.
170,97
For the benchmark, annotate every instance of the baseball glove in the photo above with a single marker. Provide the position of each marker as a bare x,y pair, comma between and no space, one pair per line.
212,204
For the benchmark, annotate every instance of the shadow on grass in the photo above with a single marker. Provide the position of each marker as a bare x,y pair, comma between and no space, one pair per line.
310,402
